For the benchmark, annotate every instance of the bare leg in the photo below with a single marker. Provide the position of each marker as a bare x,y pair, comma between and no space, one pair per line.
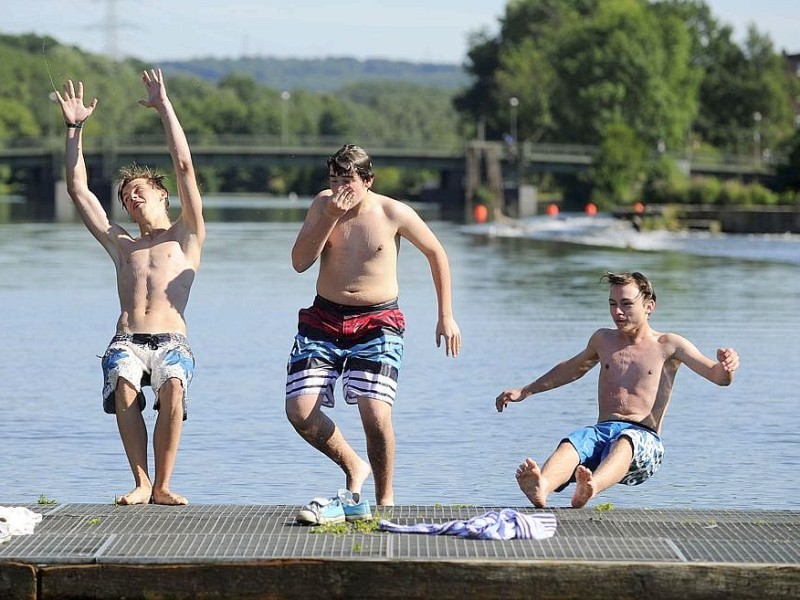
306,416
376,417
607,473
166,438
537,484
133,432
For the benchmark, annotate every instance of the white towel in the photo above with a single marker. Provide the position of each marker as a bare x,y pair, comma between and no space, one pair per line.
18,520
5,534
504,525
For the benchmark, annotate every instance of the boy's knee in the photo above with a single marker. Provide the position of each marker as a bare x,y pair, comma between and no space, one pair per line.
299,413
172,387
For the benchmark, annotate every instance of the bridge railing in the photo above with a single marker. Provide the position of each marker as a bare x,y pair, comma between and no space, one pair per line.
328,143
270,143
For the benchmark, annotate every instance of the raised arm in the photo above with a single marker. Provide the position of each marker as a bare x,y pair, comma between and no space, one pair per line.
88,206
563,373
321,218
188,192
414,229
315,231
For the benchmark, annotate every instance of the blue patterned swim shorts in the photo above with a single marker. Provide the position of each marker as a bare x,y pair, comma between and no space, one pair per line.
145,359
361,344
594,442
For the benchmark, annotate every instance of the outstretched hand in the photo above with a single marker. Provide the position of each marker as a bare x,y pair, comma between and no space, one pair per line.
506,396
71,102
156,89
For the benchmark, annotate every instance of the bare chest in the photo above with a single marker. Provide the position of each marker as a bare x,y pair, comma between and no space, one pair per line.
151,260
634,365
362,238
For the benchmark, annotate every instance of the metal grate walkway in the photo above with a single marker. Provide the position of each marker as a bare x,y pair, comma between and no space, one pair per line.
72,534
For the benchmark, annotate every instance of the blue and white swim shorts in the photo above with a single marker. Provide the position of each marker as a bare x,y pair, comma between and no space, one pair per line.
145,359
361,344
594,442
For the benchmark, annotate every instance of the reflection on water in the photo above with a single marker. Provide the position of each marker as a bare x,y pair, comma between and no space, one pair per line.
522,304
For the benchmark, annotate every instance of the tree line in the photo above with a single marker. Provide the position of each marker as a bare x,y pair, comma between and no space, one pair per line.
647,83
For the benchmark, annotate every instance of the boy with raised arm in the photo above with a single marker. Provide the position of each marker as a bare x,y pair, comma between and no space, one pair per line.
155,271
637,371
354,329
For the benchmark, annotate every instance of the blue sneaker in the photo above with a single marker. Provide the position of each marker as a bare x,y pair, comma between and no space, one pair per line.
354,511
321,511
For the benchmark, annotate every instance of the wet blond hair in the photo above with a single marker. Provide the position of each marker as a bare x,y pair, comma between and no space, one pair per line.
134,171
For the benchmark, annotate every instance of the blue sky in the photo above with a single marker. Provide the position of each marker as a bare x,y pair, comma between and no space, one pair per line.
415,30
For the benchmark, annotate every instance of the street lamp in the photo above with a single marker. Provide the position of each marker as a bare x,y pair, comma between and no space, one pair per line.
757,135
513,103
285,96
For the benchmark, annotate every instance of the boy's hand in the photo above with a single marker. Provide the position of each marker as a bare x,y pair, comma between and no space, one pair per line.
448,329
156,89
340,202
71,103
728,358
512,395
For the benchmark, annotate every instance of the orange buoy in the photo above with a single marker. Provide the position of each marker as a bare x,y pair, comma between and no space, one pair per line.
638,207
552,210
590,209
480,213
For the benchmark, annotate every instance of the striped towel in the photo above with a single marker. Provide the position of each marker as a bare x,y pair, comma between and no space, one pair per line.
506,524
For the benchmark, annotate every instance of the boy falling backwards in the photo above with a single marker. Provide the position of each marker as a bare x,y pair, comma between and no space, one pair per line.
637,370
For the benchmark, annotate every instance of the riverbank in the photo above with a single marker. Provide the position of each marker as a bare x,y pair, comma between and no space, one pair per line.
95,551
720,219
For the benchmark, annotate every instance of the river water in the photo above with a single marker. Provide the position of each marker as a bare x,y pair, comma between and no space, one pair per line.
525,298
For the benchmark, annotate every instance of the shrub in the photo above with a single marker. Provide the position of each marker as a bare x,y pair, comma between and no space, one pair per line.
704,190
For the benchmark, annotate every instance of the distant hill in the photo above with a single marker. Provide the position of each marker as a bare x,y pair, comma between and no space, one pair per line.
323,75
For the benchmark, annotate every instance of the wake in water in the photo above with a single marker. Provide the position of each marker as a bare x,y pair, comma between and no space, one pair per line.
608,232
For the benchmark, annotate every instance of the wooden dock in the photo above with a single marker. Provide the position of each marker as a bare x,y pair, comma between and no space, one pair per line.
102,551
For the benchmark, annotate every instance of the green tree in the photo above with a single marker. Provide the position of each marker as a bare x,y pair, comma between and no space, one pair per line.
617,169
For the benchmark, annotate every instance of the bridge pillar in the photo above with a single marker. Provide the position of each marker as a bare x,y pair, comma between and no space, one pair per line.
64,208
40,187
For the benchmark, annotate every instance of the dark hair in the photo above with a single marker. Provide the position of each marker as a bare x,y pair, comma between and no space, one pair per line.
351,158
641,282
134,171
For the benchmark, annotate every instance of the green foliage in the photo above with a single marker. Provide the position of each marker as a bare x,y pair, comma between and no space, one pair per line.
665,69
364,526
617,168
44,500
232,104
322,75
705,191
790,172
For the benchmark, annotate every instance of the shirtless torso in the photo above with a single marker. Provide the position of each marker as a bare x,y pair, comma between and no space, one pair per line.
636,378
637,372
358,264
155,273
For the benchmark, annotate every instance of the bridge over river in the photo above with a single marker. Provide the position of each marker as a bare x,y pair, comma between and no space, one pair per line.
39,166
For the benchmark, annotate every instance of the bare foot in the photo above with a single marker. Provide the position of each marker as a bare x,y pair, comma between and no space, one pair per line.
531,482
167,497
139,495
584,487
355,481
